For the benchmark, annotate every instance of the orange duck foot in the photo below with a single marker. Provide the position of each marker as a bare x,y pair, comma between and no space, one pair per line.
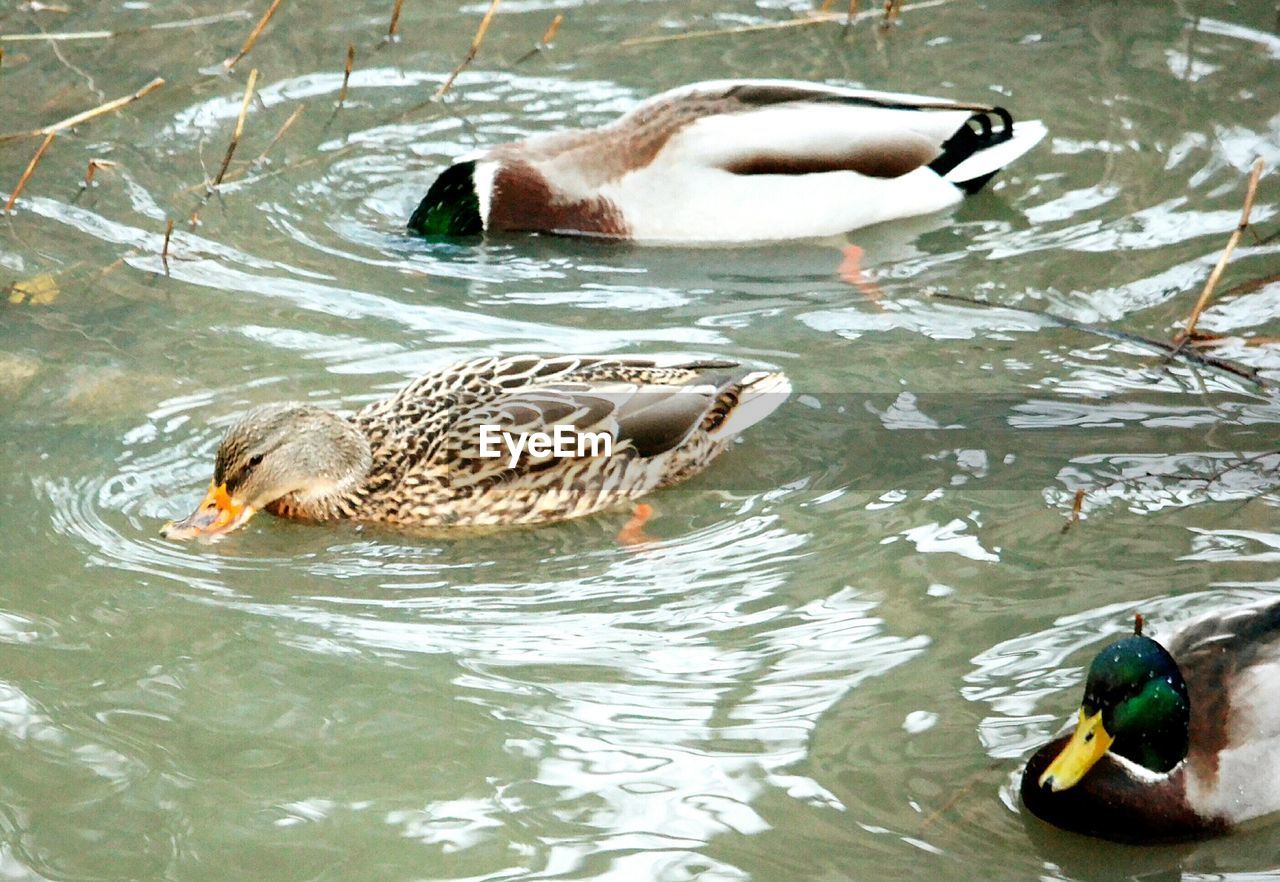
632,532
851,271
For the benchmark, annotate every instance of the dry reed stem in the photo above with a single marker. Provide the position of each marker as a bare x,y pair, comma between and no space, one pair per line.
275,139
94,165
812,18
253,37
471,52
87,115
240,173
239,129
346,74
1221,265
164,252
30,170
68,36
826,6
892,11
393,30
545,43
549,35
1076,505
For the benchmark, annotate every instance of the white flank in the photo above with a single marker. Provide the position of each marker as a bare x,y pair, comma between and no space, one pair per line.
710,205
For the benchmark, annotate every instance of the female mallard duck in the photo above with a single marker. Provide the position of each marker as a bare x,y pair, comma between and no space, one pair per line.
733,161
443,450
1171,745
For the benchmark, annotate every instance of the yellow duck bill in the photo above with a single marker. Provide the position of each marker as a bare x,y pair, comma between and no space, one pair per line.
217,514
1087,745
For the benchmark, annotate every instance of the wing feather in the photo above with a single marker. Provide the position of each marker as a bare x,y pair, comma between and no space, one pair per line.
644,406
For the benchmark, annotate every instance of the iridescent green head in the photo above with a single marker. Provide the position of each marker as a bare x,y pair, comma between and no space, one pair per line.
451,207
1135,705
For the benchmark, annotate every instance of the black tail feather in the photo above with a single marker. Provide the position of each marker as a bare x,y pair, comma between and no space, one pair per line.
977,133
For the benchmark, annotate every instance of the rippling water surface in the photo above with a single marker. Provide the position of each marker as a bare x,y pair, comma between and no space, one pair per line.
846,635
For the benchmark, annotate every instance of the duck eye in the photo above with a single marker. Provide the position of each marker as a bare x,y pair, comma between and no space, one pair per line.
255,461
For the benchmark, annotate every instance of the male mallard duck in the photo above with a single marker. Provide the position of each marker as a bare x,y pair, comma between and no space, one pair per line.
1171,745
733,161
428,457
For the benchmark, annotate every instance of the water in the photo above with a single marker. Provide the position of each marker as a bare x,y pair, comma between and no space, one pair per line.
850,631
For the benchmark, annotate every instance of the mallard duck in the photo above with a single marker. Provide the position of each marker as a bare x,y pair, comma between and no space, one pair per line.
446,449
733,161
1173,744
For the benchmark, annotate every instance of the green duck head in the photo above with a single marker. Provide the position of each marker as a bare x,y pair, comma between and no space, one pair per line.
1135,706
451,207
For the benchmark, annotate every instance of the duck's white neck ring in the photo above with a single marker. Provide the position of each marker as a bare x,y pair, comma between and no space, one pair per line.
482,179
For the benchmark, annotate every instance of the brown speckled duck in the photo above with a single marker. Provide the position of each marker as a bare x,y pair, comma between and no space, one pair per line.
1173,744
733,161
429,456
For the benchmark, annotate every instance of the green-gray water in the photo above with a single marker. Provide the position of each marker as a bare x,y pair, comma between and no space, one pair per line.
851,630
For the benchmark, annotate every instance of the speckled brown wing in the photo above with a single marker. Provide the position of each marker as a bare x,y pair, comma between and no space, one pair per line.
426,439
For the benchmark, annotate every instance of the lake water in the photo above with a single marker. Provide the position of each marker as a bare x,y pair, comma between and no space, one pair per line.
849,632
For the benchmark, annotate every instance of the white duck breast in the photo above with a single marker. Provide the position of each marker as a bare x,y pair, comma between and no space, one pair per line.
744,160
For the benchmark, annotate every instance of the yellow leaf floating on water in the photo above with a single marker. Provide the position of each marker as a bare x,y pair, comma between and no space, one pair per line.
37,290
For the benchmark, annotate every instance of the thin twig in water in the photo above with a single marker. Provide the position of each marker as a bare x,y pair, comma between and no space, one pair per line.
30,170
253,37
239,129
958,795
814,18
853,14
164,252
346,74
471,52
87,115
892,11
69,36
1208,480
1221,265
1187,354
83,74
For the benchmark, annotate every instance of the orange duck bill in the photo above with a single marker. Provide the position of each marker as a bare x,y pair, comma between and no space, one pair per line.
217,514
